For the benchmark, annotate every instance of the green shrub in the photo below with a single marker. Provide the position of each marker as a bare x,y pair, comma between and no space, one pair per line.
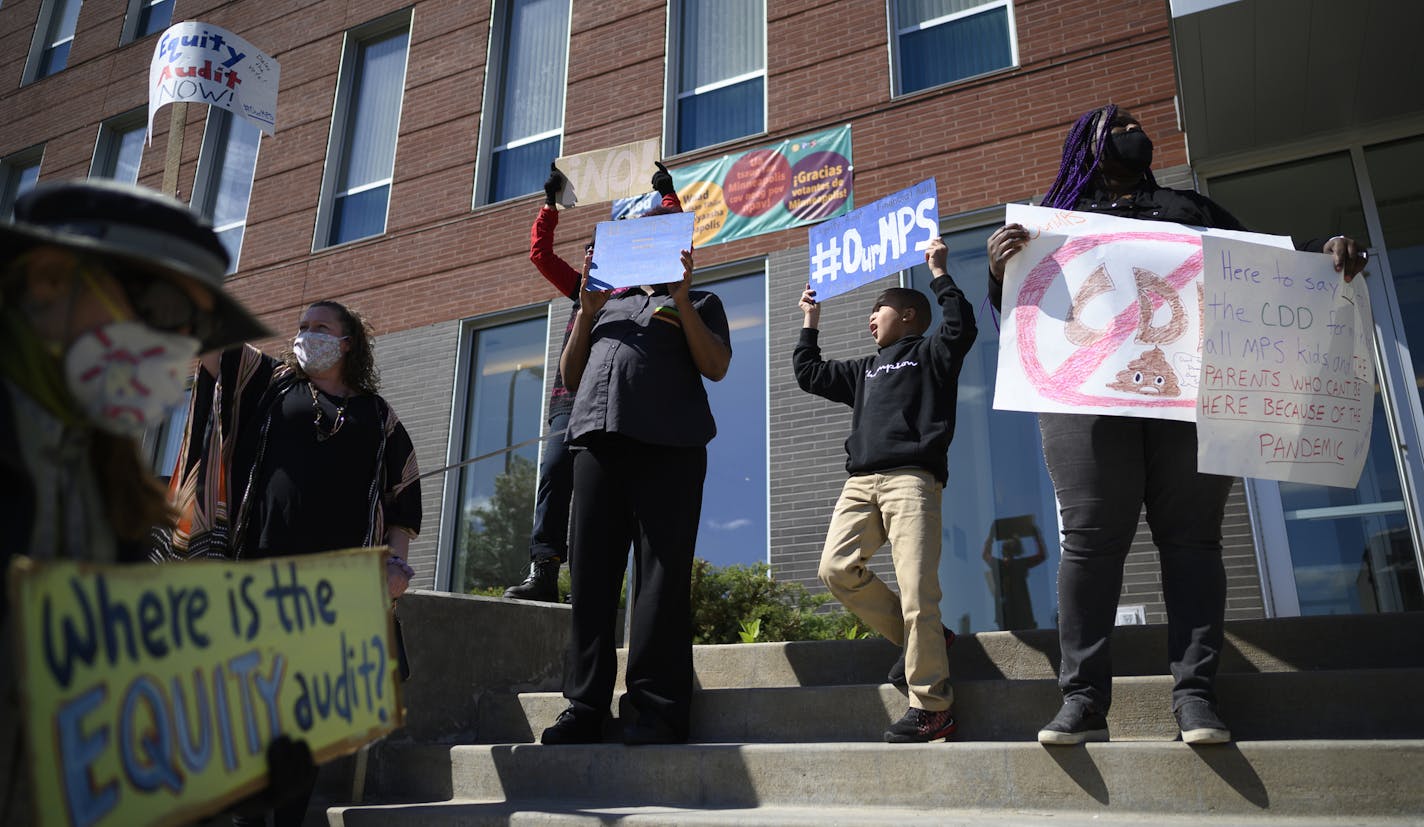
740,603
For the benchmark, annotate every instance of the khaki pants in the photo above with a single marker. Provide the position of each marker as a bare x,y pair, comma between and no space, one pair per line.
903,507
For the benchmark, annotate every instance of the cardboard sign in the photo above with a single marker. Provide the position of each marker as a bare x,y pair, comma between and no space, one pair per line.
874,241
605,174
640,250
200,63
151,693
1103,315
1288,371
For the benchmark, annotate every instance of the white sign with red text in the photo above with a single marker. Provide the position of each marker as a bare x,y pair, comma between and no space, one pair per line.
199,63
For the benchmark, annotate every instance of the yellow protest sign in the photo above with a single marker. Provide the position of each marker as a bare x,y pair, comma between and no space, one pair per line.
151,693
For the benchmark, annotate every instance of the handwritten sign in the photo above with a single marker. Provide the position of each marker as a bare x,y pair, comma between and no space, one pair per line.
874,241
1287,389
151,694
640,250
605,174
202,63
1103,315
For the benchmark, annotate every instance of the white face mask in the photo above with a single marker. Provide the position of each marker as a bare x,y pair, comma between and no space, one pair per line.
317,352
127,376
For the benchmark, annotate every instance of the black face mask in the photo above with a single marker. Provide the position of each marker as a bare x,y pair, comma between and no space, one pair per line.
1132,149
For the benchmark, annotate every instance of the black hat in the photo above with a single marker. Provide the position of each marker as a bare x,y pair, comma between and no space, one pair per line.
142,229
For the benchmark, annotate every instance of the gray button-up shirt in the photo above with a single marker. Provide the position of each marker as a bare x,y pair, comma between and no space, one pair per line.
640,380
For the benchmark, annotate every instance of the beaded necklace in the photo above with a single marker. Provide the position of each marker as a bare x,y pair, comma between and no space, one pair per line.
337,422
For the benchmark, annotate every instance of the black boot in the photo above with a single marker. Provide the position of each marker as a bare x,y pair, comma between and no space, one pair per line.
542,584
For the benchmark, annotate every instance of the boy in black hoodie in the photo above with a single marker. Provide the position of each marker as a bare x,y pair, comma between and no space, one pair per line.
903,399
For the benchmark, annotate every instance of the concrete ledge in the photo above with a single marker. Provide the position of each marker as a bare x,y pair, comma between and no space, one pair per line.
1305,779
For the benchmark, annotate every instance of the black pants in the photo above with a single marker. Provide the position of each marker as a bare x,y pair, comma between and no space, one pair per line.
1104,468
550,538
626,490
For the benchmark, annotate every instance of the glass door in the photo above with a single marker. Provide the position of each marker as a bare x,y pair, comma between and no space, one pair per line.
1334,550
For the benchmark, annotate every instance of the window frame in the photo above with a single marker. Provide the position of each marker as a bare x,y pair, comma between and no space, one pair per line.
493,99
11,167
107,143
894,32
206,184
672,80
40,43
134,13
465,360
353,40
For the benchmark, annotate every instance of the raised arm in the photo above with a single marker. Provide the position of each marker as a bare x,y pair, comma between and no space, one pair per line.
575,356
541,241
832,380
957,328
710,354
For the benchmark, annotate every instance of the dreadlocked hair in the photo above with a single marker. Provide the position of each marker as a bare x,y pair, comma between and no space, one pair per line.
1082,155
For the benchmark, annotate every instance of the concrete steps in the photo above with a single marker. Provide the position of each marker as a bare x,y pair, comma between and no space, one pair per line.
1297,779
1326,713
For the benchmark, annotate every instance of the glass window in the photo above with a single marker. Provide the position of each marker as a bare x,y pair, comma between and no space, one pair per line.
363,143
224,183
526,100
734,497
720,72
162,442
942,41
18,175
119,150
999,556
1350,549
53,36
496,495
147,17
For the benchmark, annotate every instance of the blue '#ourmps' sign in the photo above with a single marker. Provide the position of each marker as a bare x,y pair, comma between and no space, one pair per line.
874,241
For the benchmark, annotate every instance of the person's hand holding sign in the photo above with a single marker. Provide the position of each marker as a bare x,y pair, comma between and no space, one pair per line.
1002,245
810,307
937,257
1350,258
591,301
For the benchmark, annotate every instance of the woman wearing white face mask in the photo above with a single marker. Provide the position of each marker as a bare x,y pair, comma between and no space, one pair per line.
309,456
107,291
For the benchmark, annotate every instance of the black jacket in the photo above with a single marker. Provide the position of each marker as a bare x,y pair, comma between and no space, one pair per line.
904,396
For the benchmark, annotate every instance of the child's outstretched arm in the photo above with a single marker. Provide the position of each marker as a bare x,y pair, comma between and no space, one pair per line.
833,380
957,330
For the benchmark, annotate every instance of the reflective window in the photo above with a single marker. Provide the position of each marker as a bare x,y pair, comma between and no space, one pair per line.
720,71
53,37
734,497
146,17
18,175
526,102
224,183
363,143
119,150
942,41
496,500
999,556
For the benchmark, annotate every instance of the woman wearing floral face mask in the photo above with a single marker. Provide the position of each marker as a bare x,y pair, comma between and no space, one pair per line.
107,291
311,458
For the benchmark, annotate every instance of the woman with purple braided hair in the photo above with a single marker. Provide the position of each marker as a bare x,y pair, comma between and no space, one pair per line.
1106,468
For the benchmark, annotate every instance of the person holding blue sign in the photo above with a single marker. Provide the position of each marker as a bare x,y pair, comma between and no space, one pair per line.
1106,468
639,428
903,401
548,542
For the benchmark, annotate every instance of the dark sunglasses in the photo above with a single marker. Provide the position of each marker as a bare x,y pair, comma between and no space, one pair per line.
165,306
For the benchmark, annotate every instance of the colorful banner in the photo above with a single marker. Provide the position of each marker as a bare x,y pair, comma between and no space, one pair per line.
874,241
151,694
207,64
1288,370
1103,315
605,174
640,251
790,184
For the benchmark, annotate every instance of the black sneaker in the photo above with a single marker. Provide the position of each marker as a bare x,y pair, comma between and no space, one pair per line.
1074,724
541,585
920,726
1200,724
572,728
896,675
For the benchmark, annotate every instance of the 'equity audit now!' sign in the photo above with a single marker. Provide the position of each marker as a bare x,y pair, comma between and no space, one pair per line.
199,63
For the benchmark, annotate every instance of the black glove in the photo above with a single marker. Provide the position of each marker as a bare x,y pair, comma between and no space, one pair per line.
290,772
662,180
553,184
